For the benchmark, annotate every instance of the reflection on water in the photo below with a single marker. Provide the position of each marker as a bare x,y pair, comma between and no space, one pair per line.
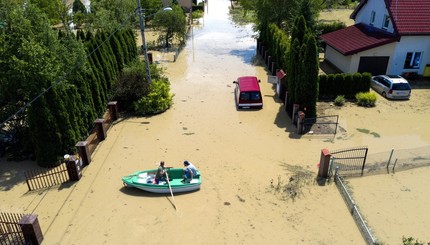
217,35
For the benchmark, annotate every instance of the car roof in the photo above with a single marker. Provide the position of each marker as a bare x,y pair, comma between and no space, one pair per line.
395,78
248,83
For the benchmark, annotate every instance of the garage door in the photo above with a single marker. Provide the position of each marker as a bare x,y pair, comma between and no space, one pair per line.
375,65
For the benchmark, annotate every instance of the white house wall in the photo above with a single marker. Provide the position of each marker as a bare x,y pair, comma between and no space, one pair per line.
386,50
339,60
364,15
410,44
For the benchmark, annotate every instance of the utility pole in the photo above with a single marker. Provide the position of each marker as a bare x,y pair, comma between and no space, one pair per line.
145,49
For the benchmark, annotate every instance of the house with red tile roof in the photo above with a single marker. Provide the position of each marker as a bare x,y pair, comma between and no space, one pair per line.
388,37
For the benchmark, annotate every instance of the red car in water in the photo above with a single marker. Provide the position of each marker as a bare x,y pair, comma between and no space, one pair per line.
247,92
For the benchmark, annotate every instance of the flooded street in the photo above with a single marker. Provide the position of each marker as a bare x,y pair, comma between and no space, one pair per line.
242,156
246,158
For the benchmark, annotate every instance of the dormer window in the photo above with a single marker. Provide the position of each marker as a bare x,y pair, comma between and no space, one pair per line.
372,18
386,22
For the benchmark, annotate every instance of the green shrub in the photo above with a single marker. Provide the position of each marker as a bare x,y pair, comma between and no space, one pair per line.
323,28
197,14
366,99
156,101
413,241
340,100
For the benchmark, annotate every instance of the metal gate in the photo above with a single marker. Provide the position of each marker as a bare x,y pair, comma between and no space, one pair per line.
350,162
320,125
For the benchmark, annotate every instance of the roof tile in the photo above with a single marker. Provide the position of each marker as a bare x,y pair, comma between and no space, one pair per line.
357,38
411,17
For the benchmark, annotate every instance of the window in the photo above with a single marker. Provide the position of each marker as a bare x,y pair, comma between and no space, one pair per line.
412,60
385,83
372,18
244,96
255,96
386,22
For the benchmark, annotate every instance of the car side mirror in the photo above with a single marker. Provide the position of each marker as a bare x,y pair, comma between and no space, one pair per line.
259,80
234,82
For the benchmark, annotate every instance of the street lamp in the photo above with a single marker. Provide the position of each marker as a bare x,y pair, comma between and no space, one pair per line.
142,32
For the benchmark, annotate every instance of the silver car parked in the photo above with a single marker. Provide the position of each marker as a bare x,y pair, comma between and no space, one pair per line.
391,86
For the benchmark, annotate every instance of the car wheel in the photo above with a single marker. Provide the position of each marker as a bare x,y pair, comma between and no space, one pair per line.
384,94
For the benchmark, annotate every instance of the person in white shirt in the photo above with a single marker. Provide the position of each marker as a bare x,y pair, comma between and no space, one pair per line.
189,172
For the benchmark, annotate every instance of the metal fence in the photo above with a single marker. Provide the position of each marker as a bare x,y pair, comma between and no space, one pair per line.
320,125
355,212
10,230
397,160
349,161
375,163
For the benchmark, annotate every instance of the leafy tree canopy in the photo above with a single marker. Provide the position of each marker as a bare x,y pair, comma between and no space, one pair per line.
50,8
171,25
78,6
111,15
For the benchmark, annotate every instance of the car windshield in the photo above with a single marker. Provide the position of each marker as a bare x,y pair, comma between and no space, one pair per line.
255,96
250,96
401,86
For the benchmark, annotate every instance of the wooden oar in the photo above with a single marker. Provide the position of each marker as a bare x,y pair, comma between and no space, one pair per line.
171,192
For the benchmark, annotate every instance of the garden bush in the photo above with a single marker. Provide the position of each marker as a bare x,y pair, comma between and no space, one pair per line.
366,99
340,100
156,101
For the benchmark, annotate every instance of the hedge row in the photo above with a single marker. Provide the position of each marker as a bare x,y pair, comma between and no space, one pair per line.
277,42
348,85
65,114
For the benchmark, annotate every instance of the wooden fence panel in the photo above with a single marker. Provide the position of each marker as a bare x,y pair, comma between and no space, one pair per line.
10,230
43,178
93,140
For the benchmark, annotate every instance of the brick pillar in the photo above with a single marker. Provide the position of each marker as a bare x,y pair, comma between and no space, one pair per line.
84,152
150,58
300,119
74,168
31,229
113,110
324,163
101,132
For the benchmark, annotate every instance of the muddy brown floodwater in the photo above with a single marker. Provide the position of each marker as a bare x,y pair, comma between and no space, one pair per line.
246,158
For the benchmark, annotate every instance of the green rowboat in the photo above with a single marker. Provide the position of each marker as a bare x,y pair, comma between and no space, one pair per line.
145,180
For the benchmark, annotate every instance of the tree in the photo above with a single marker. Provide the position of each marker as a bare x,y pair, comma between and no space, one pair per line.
112,15
41,118
280,12
292,70
51,8
80,15
309,9
35,77
171,25
78,6
132,85
309,75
